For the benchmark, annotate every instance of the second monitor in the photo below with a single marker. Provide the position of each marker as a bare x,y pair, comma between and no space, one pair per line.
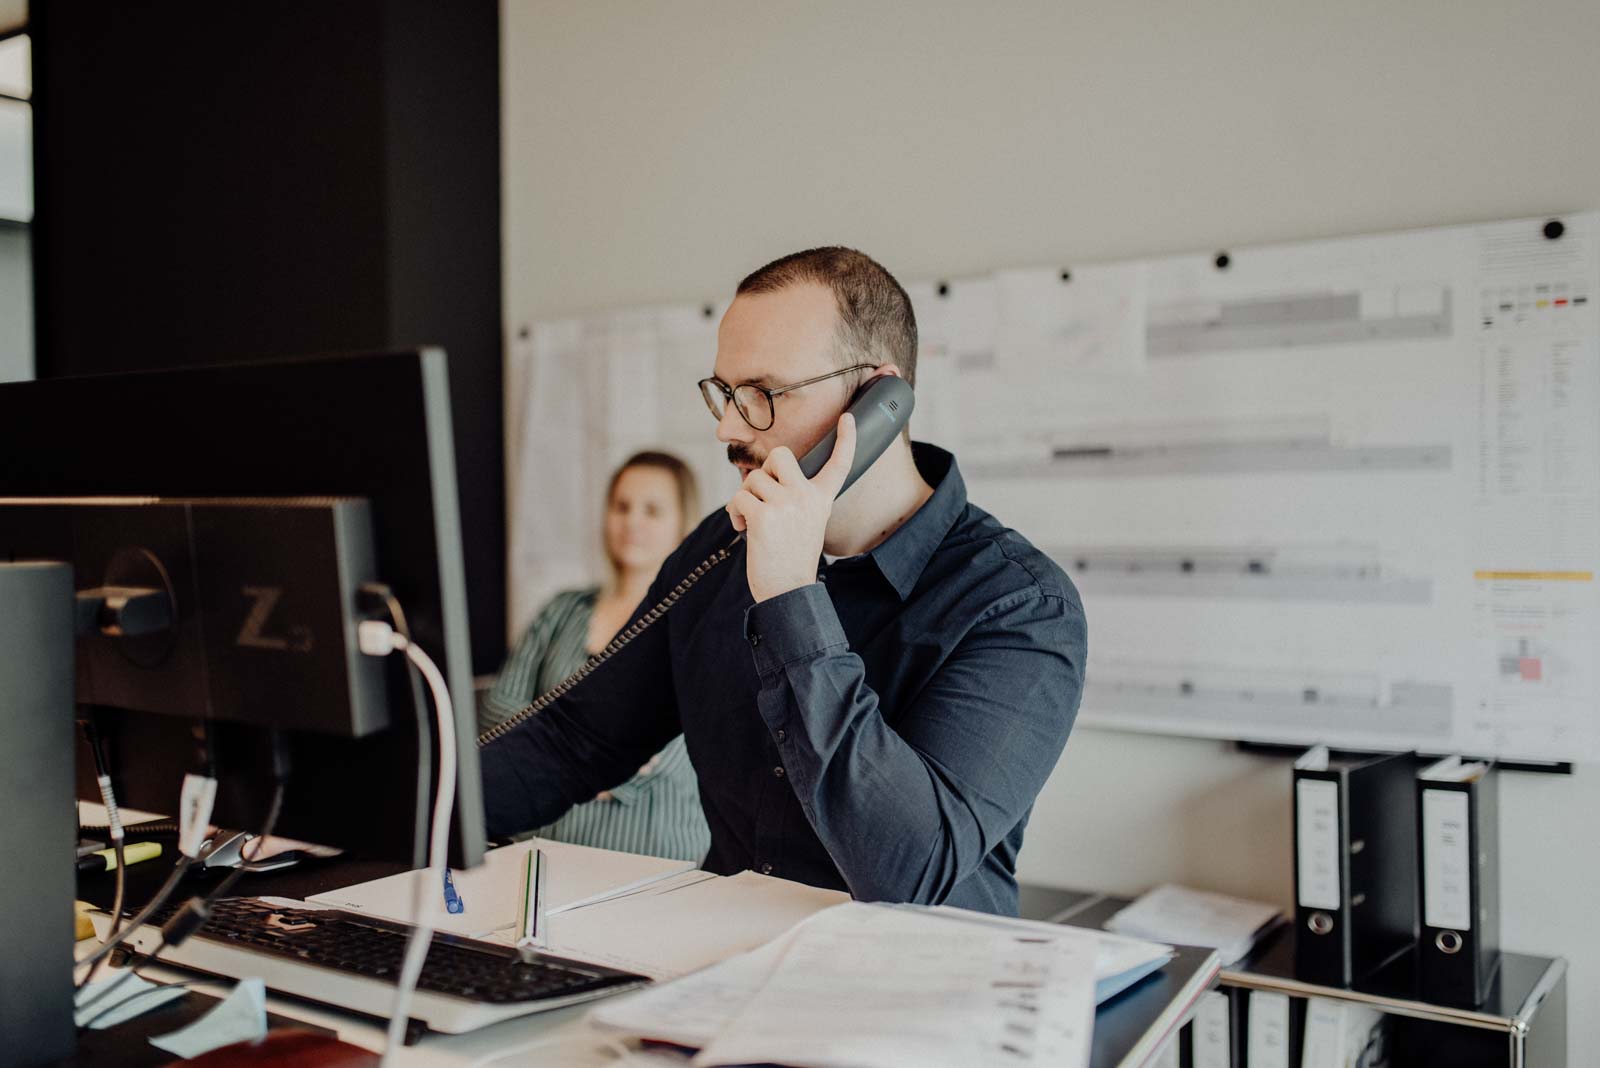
374,428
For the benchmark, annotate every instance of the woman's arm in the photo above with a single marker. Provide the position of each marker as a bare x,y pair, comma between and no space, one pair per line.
517,683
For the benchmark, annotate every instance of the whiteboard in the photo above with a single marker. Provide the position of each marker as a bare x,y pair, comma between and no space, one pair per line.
1342,491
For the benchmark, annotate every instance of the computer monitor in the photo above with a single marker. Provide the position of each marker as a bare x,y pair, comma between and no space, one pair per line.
372,428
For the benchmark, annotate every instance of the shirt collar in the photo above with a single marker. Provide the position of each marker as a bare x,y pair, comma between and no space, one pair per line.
902,555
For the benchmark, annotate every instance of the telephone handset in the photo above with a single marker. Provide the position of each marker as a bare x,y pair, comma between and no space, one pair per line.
881,409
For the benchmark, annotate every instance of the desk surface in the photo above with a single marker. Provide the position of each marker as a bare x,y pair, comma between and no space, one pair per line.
1128,1028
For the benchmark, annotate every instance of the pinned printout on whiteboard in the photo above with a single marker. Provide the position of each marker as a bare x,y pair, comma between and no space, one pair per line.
1341,491
589,393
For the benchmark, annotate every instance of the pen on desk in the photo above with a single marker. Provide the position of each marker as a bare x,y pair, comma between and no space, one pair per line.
453,902
106,859
532,930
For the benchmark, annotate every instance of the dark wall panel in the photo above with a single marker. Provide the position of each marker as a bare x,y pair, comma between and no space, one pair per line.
443,204
223,182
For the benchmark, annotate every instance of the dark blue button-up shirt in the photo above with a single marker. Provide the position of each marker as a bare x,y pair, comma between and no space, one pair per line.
883,731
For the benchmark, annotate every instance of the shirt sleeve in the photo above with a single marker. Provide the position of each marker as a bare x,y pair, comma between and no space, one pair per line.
659,769
908,810
593,738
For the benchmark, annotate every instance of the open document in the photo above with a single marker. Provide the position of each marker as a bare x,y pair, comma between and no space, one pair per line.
683,924
871,984
489,894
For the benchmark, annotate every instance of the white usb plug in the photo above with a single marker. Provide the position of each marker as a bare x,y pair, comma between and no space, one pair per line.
377,638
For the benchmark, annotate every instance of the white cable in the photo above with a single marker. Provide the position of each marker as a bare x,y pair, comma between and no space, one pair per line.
114,826
379,639
113,814
194,816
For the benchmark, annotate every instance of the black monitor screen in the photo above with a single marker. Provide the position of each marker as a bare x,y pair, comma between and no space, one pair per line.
375,427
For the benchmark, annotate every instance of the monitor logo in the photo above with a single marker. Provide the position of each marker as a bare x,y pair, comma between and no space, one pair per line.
296,639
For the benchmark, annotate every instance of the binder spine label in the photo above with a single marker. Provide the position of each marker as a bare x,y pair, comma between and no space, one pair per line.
1317,829
1267,1045
1446,860
1213,1039
1323,1042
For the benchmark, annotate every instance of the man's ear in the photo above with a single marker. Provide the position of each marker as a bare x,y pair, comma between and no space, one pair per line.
881,371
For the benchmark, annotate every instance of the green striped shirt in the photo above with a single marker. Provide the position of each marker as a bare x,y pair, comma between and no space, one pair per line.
658,810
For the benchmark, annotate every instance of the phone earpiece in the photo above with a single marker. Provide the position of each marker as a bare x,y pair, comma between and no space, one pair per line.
881,409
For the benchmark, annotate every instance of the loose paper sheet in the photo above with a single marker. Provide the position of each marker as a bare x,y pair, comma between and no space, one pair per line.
863,986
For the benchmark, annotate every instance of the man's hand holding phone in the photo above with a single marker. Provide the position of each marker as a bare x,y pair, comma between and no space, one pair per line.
784,515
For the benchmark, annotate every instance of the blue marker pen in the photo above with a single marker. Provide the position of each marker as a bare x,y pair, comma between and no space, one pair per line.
452,900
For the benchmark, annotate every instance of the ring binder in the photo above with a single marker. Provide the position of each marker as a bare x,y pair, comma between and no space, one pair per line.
1355,864
1459,886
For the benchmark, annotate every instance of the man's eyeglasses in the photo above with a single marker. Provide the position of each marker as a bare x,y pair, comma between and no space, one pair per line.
754,402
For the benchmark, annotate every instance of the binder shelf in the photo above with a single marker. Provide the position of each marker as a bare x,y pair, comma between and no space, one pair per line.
1522,1023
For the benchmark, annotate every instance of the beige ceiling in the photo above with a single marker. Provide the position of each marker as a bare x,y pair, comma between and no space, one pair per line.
13,14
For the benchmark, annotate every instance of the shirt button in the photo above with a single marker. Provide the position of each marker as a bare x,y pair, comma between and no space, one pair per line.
766,869
781,734
755,640
778,771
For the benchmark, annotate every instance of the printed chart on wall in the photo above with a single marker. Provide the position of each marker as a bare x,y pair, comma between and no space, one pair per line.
582,395
1342,491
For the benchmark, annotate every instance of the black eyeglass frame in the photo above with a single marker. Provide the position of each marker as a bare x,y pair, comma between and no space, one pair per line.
731,393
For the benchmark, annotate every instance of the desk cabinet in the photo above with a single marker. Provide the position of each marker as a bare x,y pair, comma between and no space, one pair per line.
1522,1024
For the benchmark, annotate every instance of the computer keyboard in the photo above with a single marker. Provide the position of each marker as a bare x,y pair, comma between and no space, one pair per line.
352,961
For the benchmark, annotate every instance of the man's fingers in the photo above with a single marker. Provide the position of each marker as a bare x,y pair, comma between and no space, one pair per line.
837,469
782,466
760,484
743,505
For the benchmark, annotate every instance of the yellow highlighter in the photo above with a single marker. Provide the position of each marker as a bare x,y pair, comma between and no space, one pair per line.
106,859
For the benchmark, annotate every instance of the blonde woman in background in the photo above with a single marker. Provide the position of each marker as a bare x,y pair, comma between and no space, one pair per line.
651,504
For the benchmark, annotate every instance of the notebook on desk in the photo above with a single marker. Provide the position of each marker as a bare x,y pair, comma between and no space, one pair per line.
489,894
682,924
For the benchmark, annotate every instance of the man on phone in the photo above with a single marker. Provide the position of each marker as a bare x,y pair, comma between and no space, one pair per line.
872,689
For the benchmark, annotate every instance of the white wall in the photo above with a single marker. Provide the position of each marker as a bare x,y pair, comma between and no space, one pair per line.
660,151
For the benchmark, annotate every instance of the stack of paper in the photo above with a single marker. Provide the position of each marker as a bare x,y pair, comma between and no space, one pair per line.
864,985
579,876
1119,962
1230,925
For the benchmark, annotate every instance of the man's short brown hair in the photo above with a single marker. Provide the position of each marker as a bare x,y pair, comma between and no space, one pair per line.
876,323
